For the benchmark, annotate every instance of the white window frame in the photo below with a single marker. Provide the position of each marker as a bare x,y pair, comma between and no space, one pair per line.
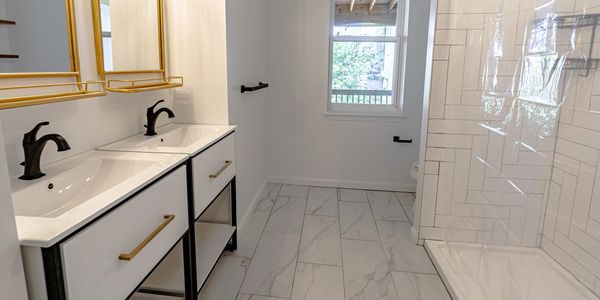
394,110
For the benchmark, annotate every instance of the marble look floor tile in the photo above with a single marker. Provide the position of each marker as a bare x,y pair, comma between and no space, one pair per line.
353,195
356,222
322,202
294,190
401,252
271,272
226,279
256,297
318,282
249,238
320,242
412,286
386,206
287,215
407,200
266,202
366,272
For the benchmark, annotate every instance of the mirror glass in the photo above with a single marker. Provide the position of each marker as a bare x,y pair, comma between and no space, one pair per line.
34,36
130,35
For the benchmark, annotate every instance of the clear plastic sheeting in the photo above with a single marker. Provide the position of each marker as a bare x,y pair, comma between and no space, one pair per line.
514,136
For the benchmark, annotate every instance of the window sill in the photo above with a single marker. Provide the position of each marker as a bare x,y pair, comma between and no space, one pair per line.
365,116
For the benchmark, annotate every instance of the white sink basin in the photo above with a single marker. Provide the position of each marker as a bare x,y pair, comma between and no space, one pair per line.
174,138
78,189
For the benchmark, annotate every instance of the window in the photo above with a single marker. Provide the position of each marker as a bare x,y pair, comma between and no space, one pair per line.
366,46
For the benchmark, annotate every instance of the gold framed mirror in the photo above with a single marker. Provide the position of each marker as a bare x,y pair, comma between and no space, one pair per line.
130,45
38,53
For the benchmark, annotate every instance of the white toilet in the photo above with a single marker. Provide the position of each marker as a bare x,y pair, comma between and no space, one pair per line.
414,170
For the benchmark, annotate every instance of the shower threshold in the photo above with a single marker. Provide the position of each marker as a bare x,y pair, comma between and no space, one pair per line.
488,272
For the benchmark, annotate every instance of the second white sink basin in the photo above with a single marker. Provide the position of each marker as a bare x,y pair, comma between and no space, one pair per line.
174,138
80,188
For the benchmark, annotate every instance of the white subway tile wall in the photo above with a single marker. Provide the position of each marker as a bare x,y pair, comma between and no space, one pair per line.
511,159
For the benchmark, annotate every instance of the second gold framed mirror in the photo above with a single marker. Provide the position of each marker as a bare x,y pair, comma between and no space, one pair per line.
130,45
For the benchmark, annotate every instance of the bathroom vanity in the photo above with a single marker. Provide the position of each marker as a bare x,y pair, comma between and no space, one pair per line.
211,175
127,218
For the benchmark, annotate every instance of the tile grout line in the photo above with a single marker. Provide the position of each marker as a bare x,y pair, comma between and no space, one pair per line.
389,271
259,239
403,209
299,242
339,197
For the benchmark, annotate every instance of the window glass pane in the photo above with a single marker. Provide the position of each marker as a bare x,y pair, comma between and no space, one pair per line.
108,55
363,72
364,30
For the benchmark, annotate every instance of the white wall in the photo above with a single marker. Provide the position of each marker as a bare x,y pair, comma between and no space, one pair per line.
39,37
198,52
4,42
134,32
12,278
247,64
86,124
308,147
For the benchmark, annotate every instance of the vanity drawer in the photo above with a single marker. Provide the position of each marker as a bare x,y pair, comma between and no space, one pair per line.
213,169
95,260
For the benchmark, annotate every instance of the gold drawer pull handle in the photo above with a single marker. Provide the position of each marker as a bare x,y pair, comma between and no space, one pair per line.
129,256
227,164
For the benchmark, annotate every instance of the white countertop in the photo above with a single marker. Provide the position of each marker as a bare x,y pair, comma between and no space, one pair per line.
188,139
44,230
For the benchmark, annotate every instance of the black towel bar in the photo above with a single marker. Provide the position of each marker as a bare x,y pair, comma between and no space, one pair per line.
260,86
398,140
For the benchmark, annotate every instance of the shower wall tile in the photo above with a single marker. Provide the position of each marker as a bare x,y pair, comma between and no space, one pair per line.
501,169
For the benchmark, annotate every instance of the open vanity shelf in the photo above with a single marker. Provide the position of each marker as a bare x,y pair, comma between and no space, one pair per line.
211,239
132,86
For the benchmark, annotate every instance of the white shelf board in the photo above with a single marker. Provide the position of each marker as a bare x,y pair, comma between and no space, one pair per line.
211,239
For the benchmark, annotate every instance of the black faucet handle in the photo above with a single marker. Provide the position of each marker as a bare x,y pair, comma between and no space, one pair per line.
29,138
151,108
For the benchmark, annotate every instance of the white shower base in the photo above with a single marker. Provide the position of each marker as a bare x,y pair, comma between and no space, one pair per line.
486,272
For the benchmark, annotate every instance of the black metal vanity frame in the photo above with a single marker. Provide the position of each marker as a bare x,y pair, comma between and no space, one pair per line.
232,245
52,258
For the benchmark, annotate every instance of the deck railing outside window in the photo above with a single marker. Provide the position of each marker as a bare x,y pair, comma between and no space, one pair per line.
381,97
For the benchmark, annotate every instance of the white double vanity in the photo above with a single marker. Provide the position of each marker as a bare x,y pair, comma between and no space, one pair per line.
130,219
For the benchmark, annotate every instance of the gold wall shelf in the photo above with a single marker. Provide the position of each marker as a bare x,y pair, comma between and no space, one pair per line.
143,85
84,90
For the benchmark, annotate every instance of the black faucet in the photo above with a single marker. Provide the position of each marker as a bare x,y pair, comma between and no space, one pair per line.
151,117
33,151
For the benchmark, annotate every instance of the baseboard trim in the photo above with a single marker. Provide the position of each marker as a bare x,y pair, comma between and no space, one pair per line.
365,185
248,214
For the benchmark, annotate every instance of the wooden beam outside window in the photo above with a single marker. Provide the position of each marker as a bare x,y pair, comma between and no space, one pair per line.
372,5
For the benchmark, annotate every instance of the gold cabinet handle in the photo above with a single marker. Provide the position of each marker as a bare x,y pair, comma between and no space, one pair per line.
129,256
227,164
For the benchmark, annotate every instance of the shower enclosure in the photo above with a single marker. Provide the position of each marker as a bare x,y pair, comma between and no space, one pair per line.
510,181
